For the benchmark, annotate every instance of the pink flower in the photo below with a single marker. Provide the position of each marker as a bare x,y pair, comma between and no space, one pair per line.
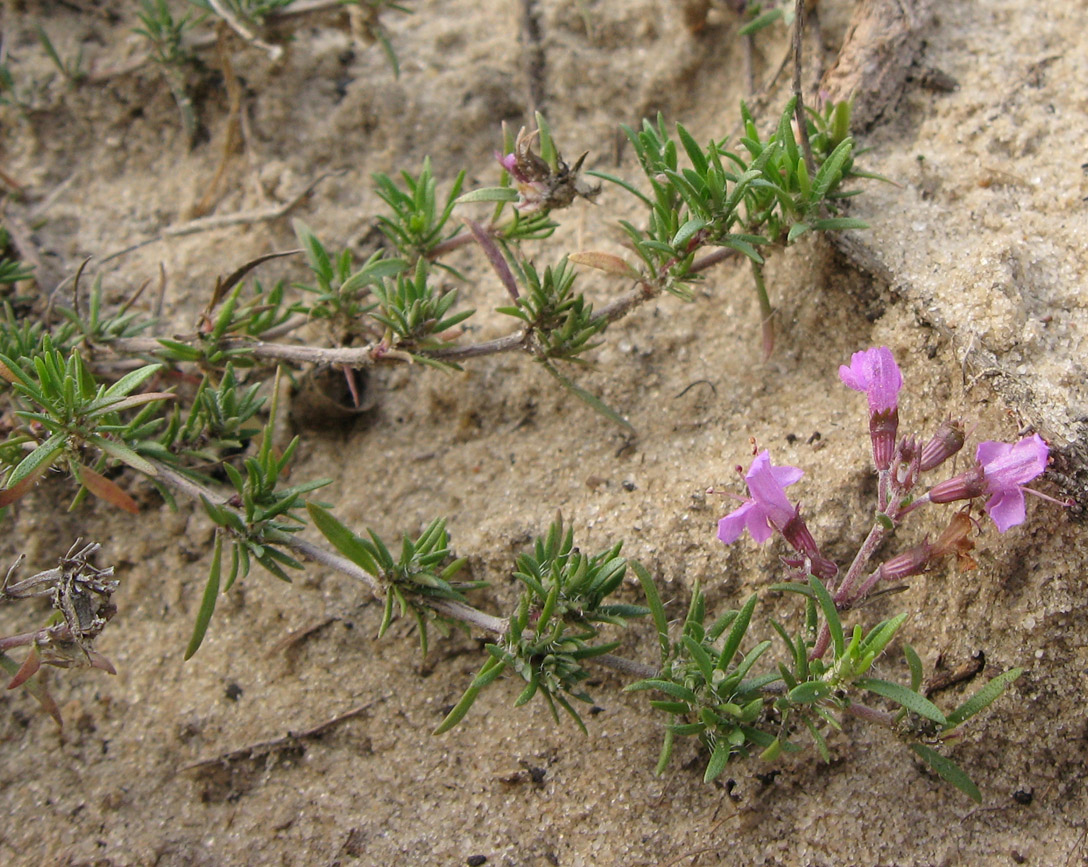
875,372
1006,469
767,509
1002,472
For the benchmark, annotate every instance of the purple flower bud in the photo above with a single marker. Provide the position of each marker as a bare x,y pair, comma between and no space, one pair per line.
965,486
946,442
875,372
914,561
510,163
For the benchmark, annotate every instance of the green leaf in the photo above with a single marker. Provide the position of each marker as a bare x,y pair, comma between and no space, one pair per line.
765,20
488,194
796,231
821,743
666,686
717,762
130,382
346,542
831,614
492,668
666,753
832,224
901,695
983,698
620,182
41,457
742,247
686,232
124,454
948,770
701,658
207,604
736,633
315,252
676,708
694,152
810,692
657,609
588,398
881,634
915,664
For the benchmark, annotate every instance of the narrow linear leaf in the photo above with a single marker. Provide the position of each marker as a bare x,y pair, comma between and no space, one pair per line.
124,454
948,770
488,194
914,662
717,762
736,633
831,614
590,399
666,686
345,541
901,695
491,669
657,609
38,460
983,698
106,490
207,603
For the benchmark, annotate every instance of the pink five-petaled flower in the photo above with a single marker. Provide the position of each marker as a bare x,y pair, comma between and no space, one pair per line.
1002,471
767,509
1007,468
875,372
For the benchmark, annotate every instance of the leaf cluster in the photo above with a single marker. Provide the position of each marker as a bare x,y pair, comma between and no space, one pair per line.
745,199
423,573
561,320
256,522
72,419
342,292
711,693
556,626
253,12
417,224
416,314
164,32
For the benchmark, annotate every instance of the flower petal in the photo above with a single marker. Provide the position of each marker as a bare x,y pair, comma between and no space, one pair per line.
1013,465
1007,508
732,525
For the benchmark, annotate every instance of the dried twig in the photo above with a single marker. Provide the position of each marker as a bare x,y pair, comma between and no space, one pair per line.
290,741
219,221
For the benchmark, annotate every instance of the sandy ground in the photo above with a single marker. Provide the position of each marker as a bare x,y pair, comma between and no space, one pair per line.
973,273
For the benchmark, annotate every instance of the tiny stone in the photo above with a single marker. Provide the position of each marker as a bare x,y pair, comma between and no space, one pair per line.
476,860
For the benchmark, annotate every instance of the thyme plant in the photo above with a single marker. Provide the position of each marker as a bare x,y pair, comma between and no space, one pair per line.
90,394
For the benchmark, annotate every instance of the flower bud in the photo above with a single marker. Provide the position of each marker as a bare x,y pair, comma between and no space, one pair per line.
965,486
945,443
912,562
796,532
